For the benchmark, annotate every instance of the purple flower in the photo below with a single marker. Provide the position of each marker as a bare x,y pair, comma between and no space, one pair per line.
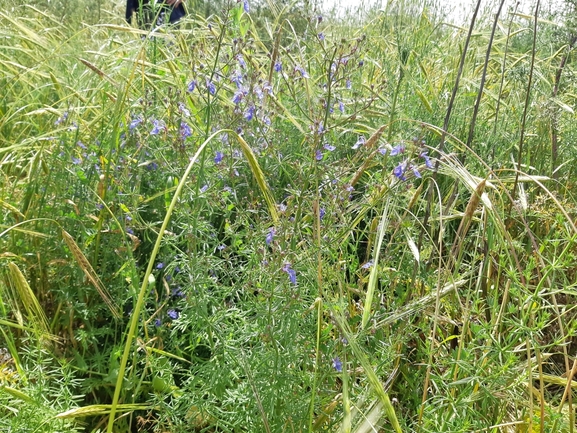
135,122
182,108
322,213
258,92
204,188
173,314
359,142
236,78
428,162
238,96
76,161
157,322
399,170
267,87
361,62
270,235
398,149
158,127
185,130
211,87
329,147
249,114
318,155
302,71
177,292
152,166
416,171
341,107
321,36
218,157
291,273
240,60
160,265
367,265
246,6
382,150
278,66
348,84
191,86
337,364
62,118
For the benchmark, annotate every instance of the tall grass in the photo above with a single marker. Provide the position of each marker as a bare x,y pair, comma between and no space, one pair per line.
277,221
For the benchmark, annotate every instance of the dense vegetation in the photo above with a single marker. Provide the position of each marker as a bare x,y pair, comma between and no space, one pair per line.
269,220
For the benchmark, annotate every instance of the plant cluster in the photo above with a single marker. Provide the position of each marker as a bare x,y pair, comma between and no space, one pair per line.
250,223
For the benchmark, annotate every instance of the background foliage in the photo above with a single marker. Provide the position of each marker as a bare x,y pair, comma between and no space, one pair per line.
270,219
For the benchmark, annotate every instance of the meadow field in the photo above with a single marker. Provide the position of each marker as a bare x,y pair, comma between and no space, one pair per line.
269,219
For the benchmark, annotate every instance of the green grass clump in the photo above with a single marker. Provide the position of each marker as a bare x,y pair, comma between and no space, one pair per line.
278,221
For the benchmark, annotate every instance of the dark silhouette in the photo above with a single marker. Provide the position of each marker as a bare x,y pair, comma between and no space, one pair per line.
146,13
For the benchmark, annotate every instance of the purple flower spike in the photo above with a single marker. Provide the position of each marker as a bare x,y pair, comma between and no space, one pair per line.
237,98
236,78
211,87
337,364
367,265
218,157
249,115
135,122
302,71
399,170
398,149
158,127
270,235
185,130
359,142
428,162
246,6
240,59
291,273
182,109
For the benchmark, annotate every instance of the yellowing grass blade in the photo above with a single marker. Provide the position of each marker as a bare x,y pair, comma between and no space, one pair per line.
28,299
89,272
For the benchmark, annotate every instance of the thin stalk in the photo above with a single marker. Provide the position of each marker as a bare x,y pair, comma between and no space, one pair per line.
555,119
319,305
483,77
526,108
444,131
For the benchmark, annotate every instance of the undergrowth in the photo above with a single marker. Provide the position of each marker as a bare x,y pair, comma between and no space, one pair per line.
267,219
